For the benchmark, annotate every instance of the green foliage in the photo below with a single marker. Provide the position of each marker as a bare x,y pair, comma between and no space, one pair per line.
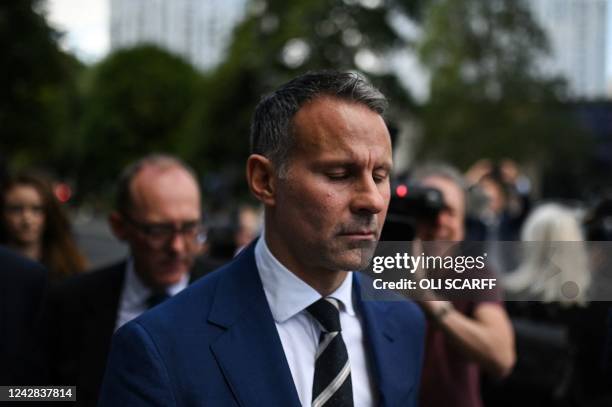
488,48
277,41
37,98
134,102
487,97
87,123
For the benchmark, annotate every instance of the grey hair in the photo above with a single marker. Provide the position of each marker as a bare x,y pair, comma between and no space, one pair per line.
549,264
123,195
440,170
271,127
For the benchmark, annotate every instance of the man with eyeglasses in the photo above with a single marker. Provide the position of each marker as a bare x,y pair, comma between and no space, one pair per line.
158,214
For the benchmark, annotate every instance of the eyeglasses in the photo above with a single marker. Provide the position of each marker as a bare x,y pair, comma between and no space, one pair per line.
160,234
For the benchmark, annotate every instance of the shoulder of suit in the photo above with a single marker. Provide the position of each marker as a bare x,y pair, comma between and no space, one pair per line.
19,275
16,264
177,310
93,281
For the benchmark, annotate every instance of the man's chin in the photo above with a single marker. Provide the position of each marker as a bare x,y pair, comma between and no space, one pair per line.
354,260
171,274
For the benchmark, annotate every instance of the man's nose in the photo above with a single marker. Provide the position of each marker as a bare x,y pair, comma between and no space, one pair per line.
369,197
443,218
28,216
178,243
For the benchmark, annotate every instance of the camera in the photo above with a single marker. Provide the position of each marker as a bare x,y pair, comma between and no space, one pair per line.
409,205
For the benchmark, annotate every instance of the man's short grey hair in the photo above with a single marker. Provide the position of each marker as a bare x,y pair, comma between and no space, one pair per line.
440,170
271,128
123,195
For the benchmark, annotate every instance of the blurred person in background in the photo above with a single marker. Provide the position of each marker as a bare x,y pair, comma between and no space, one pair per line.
464,337
598,220
226,236
158,214
22,283
498,201
560,334
598,225
35,225
545,268
219,247
249,225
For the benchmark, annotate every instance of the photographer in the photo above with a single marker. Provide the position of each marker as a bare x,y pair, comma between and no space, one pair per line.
463,336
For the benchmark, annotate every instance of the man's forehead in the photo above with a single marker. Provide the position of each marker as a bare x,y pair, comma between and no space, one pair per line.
332,108
153,182
328,124
161,174
451,192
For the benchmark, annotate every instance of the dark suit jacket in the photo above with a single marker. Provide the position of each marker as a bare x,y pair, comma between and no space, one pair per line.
22,284
80,317
216,344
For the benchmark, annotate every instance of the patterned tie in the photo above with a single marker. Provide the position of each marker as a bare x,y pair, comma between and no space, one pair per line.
332,377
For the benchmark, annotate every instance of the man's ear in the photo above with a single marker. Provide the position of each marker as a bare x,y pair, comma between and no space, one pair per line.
261,177
117,225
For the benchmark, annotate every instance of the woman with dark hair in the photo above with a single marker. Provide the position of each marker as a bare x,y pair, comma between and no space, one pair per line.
34,224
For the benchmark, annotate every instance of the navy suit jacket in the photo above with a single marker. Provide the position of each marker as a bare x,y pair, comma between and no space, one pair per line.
216,344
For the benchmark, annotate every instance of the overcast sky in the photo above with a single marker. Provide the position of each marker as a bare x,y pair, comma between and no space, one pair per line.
86,22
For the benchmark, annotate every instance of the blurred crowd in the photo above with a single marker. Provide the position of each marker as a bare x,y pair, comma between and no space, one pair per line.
553,350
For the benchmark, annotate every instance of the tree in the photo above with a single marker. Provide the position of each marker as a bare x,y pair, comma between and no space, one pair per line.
38,90
488,98
134,102
277,41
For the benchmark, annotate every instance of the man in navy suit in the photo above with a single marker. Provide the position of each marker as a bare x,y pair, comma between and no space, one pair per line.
157,213
285,324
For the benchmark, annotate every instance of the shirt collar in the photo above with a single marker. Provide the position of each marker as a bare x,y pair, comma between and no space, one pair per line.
286,293
137,290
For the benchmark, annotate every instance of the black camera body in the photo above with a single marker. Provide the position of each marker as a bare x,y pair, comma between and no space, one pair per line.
410,204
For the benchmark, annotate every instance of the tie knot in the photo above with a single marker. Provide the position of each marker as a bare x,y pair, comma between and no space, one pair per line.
327,313
156,298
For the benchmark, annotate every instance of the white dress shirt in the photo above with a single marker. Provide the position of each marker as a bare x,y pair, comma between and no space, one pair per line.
288,297
134,295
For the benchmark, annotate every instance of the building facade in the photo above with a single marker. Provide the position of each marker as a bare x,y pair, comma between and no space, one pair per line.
200,31
576,31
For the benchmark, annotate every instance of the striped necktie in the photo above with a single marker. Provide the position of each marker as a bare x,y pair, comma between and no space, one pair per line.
332,378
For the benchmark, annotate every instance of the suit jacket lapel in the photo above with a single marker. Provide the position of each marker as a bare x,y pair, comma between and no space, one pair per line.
104,307
250,353
385,348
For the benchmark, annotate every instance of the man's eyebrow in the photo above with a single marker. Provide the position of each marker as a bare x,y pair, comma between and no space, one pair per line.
348,163
387,166
336,162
